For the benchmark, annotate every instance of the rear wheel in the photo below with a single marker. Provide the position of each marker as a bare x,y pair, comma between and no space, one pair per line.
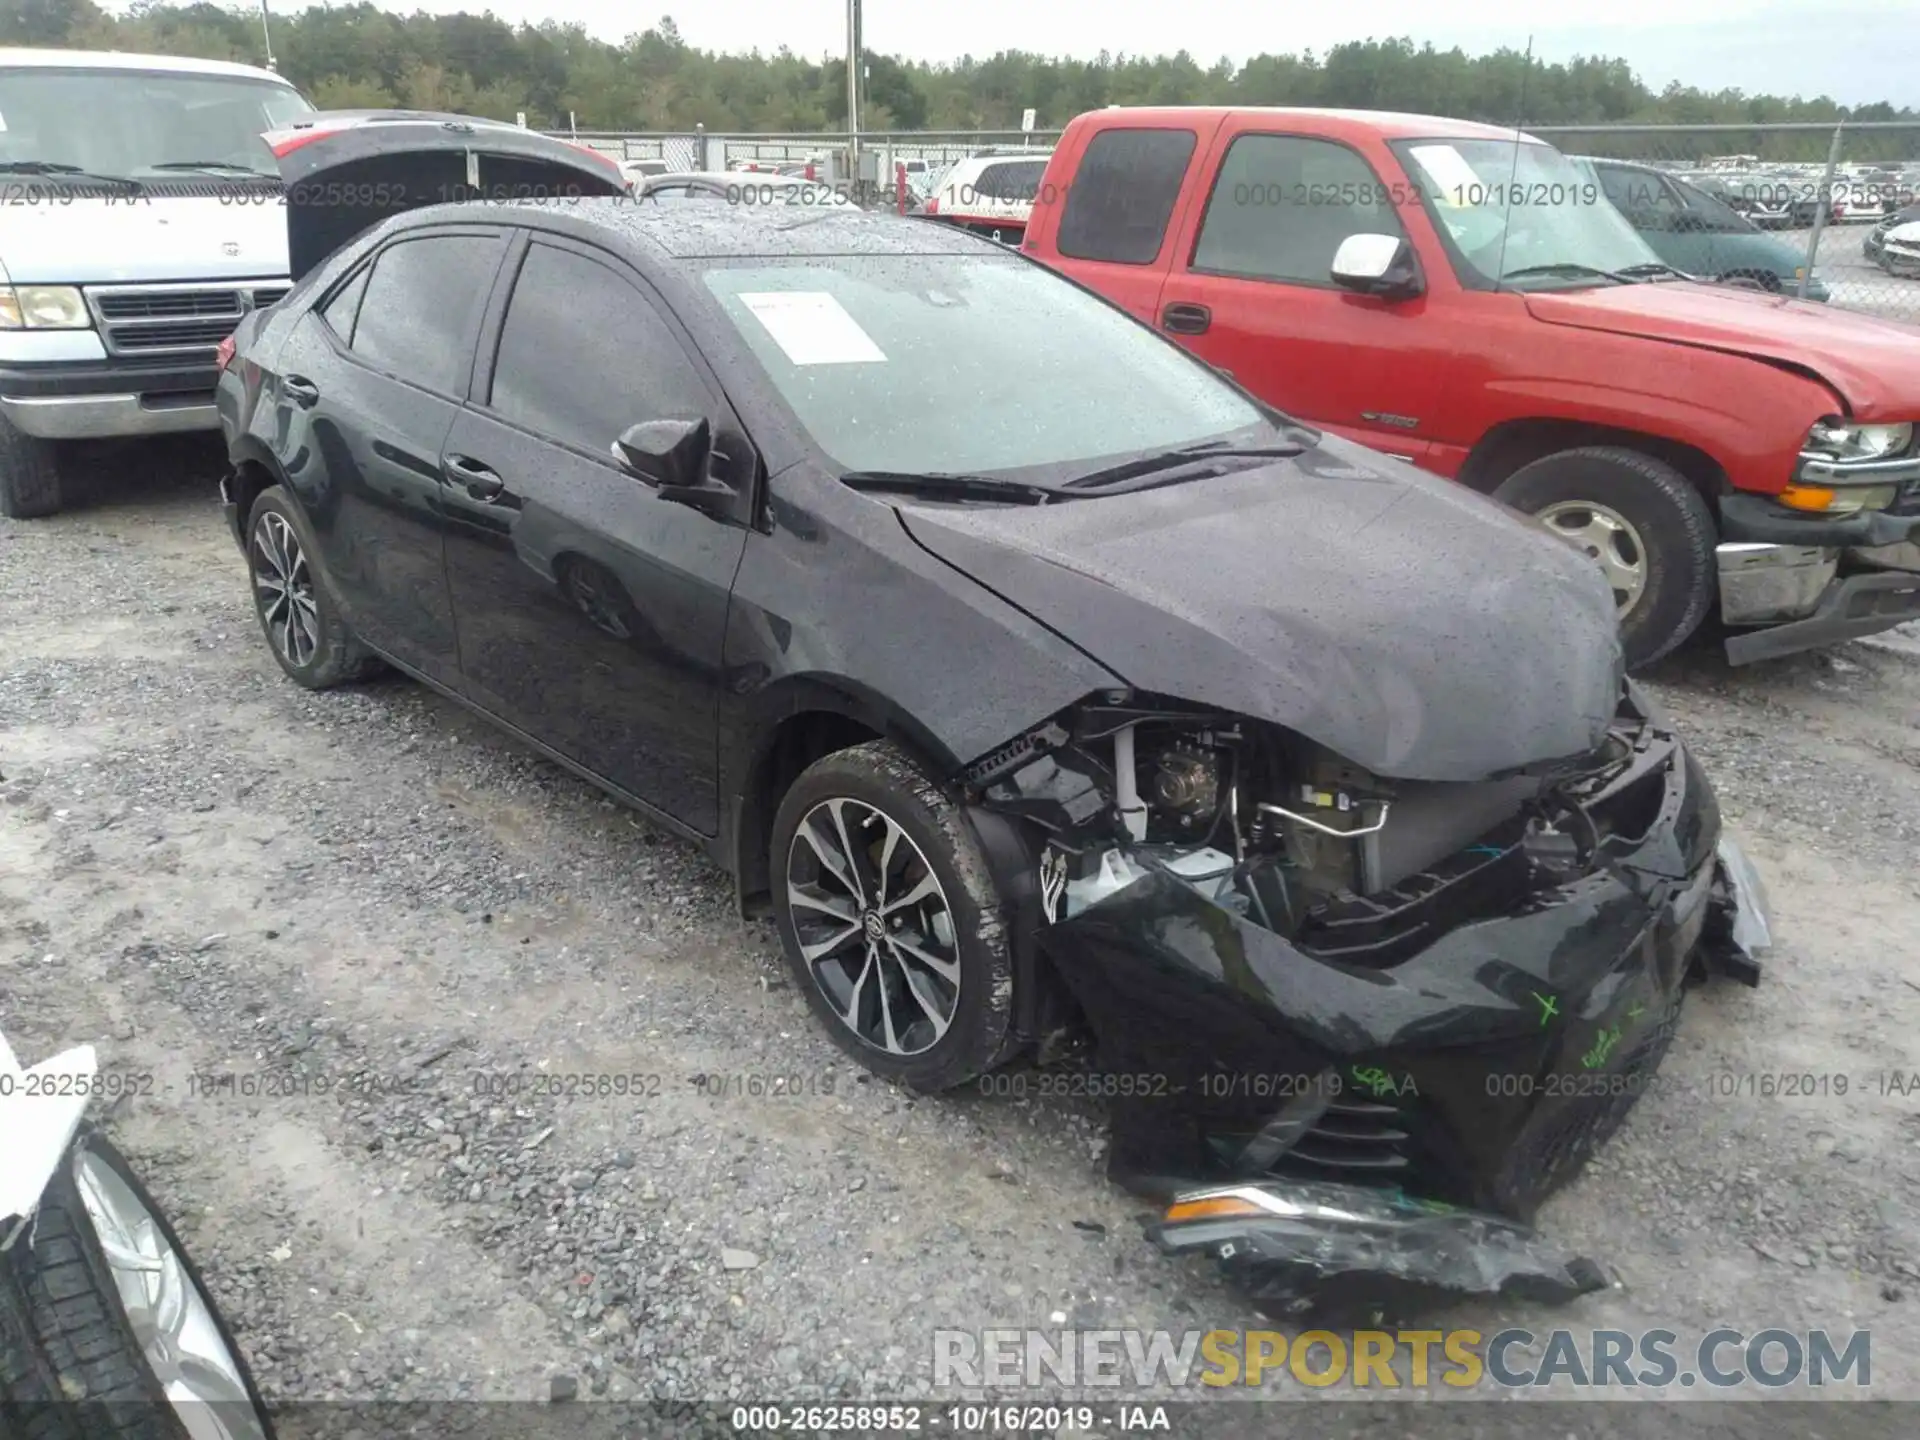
1642,523
29,474
298,614
107,1331
890,920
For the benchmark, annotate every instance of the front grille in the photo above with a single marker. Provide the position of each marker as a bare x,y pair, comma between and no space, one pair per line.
173,319
1358,1139
1355,1140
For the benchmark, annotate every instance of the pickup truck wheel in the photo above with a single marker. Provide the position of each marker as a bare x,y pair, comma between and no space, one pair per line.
1644,525
29,475
890,919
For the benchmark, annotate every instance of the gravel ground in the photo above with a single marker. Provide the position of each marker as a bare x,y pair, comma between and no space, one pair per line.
205,869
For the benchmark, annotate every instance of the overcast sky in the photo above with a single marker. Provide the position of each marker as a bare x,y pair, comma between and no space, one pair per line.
1853,50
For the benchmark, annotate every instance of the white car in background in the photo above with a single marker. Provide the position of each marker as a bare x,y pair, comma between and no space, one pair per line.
990,194
638,170
144,216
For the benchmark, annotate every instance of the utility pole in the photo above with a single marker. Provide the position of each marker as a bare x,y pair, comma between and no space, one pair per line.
853,89
266,33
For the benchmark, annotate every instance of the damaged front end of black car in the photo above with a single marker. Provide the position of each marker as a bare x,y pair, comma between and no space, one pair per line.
1356,1030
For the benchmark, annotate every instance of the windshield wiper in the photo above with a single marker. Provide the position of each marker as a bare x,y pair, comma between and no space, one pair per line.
225,167
1652,270
945,485
1174,459
1571,269
56,170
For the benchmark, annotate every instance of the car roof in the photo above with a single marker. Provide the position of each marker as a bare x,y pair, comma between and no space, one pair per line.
1005,155
701,232
1391,124
1623,164
22,58
727,177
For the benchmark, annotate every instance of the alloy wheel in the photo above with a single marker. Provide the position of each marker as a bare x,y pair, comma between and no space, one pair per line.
874,926
171,1320
283,589
1609,539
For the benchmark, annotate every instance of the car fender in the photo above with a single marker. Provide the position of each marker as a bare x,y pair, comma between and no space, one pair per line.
40,1112
1754,441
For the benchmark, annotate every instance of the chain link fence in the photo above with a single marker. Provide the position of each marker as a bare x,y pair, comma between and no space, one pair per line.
1788,208
924,152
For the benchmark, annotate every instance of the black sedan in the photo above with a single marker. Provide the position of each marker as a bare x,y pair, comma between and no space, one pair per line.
1042,680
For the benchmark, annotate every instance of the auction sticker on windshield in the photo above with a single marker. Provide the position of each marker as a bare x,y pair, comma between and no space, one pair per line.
1448,169
812,327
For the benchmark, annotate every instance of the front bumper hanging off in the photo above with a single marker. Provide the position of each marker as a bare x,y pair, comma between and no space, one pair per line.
1477,1073
1800,581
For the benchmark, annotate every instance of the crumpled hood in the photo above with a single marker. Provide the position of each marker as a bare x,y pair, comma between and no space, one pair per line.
1402,621
88,240
1873,364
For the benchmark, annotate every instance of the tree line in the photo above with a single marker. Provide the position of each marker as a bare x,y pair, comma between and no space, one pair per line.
356,56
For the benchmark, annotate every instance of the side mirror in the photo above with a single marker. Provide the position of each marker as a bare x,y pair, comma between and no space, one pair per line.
1379,265
673,456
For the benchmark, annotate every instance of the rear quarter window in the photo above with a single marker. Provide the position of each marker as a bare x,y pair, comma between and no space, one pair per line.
1123,195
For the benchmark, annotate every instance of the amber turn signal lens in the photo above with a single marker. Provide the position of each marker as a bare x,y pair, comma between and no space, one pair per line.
1212,1208
1807,497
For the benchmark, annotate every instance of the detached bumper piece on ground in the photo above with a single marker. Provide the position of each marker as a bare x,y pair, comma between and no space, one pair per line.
1363,1255
1361,1043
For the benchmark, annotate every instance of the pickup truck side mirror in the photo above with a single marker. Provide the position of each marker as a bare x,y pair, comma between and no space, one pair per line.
1379,265
674,456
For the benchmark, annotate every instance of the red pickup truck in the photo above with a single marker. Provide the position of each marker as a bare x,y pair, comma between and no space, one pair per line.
1466,298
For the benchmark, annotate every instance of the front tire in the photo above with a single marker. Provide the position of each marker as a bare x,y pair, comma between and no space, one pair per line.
298,614
89,1297
30,484
1643,523
890,920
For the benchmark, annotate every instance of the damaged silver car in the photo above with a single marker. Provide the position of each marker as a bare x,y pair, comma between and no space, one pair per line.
1044,682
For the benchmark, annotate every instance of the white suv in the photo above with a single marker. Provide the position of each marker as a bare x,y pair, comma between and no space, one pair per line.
144,217
991,194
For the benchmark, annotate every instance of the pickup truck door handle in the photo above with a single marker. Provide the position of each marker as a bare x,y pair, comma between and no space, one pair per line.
300,390
1183,319
481,482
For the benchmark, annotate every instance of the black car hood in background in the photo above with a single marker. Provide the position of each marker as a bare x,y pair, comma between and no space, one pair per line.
1403,622
347,170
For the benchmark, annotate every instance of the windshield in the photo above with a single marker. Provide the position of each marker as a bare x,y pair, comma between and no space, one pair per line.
1503,207
139,122
967,364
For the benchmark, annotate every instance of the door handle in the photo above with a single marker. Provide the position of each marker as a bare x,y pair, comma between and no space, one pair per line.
481,482
1184,319
302,391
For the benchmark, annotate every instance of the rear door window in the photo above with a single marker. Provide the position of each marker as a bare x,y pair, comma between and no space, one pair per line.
1123,195
584,355
420,314
1282,205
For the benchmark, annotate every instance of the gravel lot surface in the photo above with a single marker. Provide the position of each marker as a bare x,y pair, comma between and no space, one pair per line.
206,869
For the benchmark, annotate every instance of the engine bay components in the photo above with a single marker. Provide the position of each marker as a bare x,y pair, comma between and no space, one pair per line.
1317,845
